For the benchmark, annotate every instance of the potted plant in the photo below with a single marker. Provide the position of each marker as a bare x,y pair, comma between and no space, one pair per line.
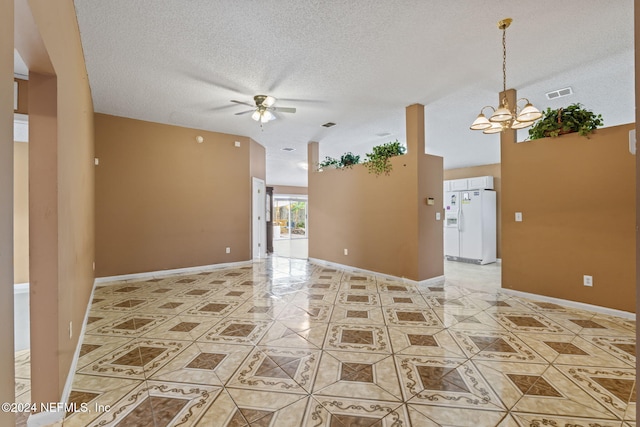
328,162
573,118
378,161
347,160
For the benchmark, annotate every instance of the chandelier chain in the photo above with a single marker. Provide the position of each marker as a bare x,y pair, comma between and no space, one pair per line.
504,59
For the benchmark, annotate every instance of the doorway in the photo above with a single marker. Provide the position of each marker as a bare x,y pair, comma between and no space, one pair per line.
259,222
290,225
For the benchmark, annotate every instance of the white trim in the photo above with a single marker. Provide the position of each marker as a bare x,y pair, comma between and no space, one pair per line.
573,304
498,261
431,281
175,271
46,418
21,288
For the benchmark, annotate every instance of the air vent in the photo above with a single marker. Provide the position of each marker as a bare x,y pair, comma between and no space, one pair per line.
329,124
383,134
288,149
559,93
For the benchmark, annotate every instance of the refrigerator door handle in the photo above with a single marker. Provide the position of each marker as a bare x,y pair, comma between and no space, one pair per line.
459,220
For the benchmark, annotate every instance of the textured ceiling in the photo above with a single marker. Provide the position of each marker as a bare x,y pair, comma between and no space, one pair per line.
357,63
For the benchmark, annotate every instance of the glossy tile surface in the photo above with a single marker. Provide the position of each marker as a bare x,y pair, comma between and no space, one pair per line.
291,343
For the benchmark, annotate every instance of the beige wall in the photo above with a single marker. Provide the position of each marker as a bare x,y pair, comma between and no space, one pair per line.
384,221
164,201
577,197
484,170
61,188
7,384
21,212
290,189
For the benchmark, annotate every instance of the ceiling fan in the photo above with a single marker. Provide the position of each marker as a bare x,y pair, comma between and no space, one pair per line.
264,109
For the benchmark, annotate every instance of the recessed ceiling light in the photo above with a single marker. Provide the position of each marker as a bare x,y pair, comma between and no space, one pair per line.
329,124
288,149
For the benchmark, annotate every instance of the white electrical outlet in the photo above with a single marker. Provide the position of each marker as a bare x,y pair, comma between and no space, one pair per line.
346,251
518,216
228,250
437,216
237,144
588,280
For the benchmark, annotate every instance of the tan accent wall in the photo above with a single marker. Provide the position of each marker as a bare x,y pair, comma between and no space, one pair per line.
636,20
290,189
7,377
258,161
164,201
61,183
484,170
23,90
21,212
577,197
384,221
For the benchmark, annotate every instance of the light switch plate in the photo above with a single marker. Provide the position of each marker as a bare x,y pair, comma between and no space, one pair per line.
518,216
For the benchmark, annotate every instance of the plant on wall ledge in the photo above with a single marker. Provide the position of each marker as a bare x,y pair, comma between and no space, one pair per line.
378,161
347,160
573,118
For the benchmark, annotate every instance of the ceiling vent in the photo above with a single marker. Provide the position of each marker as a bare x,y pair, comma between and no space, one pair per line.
559,93
383,134
329,124
288,149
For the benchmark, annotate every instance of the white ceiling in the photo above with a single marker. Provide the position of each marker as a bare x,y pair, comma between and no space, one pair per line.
357,63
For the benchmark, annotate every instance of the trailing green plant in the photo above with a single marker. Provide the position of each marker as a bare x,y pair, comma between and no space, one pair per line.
378,161
573,118
347,160
328,162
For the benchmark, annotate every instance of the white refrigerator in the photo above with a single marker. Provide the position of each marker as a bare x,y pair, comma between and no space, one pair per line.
470,226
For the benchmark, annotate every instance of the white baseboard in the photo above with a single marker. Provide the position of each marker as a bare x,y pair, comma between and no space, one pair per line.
572,304
432,281
176,271
21,288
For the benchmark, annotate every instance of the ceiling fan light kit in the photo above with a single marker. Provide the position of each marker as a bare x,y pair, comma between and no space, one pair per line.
503,117
264,109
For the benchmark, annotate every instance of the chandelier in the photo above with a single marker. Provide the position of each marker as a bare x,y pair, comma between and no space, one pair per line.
504,117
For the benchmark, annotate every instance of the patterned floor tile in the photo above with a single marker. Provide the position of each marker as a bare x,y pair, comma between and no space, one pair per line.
295,335
98,393
137,359
163,402
237,331
445,416
410,317
533,420
130,325
278,370
434,342
362,315
540,388
494,345
570,350
624,348
337,412
614,388
239,408
445,382
203,363
353,375
526,322
284,342
362,338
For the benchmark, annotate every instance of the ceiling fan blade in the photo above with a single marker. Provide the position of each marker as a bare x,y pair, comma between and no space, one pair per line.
284,109
243,103
244,112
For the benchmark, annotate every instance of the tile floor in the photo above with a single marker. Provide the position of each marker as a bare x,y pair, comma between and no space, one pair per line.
287,343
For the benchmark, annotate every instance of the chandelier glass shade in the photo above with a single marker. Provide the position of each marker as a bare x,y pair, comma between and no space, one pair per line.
504,117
